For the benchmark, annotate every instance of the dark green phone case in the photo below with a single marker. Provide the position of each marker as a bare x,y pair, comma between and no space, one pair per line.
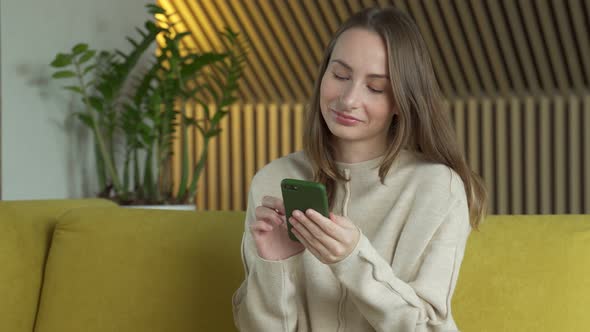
302,195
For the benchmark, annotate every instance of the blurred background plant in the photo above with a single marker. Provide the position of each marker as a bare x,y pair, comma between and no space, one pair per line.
136,109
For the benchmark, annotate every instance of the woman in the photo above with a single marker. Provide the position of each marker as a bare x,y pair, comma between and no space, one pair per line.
388,257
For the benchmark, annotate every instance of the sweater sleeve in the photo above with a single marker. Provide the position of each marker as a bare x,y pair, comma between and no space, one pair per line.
391,304
265,301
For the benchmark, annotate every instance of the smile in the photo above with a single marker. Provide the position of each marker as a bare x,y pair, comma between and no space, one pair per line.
344,119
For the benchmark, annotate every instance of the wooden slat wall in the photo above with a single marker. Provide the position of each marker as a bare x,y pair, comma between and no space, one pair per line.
251,137
515,73
480,48
534,154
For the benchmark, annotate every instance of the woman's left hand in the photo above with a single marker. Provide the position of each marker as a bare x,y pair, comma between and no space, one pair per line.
329,239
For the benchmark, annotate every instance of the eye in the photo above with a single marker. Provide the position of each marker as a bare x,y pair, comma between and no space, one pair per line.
375,90
338,77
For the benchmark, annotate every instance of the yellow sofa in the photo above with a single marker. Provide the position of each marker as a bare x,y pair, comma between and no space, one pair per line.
89,265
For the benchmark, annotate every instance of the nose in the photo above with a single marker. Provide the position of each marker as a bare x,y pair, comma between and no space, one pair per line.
351,96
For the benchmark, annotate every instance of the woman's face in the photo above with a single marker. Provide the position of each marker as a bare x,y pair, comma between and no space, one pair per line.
355,94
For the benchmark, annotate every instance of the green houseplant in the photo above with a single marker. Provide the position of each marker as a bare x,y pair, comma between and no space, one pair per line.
134,128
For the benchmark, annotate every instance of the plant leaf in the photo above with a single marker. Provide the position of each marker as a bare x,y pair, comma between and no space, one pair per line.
132,41
87,56
73,88
106,90
85,118
96,103
199,61
151,27
87,69
121,54
91,82
79,48
63,74
62,60
140,32
181,35
230,100
212,133
190,121
155,9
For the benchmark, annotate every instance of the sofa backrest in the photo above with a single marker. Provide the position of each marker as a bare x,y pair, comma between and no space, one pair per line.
526,273
118,269
26,228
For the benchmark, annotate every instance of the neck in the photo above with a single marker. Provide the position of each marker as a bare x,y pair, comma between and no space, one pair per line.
356,152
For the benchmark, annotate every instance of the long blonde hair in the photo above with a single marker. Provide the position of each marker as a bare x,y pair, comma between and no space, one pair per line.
421,123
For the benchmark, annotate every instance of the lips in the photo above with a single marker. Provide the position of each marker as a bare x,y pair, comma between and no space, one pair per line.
344,119
342,115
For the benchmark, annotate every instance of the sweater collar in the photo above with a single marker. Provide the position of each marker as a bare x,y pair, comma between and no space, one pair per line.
363,165
373,164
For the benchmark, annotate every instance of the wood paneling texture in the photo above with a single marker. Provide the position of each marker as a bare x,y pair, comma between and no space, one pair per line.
533,153
515,75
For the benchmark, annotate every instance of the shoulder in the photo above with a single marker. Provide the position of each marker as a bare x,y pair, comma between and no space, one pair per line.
435,179
437,194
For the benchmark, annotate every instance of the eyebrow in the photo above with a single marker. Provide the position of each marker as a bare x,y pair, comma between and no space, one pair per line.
347,66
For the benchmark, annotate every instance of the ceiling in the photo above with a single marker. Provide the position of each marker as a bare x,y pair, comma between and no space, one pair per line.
479,48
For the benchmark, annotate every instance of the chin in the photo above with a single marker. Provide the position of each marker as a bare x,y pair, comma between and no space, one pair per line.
344,134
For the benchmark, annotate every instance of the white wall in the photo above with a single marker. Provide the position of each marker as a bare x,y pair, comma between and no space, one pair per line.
45,155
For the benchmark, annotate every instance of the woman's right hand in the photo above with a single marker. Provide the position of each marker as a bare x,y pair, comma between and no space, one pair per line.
270,231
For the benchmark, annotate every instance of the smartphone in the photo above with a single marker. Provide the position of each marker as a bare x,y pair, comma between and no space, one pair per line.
302,195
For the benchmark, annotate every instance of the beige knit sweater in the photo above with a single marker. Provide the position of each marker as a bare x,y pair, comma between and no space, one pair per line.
400,277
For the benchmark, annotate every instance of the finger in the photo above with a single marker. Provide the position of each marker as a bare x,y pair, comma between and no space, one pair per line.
308,246
261,226
274,203
326,239
326,224
268,215
284,225
309,237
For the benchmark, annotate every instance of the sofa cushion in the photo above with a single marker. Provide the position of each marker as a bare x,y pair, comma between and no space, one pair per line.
121,269
25,232
526,273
